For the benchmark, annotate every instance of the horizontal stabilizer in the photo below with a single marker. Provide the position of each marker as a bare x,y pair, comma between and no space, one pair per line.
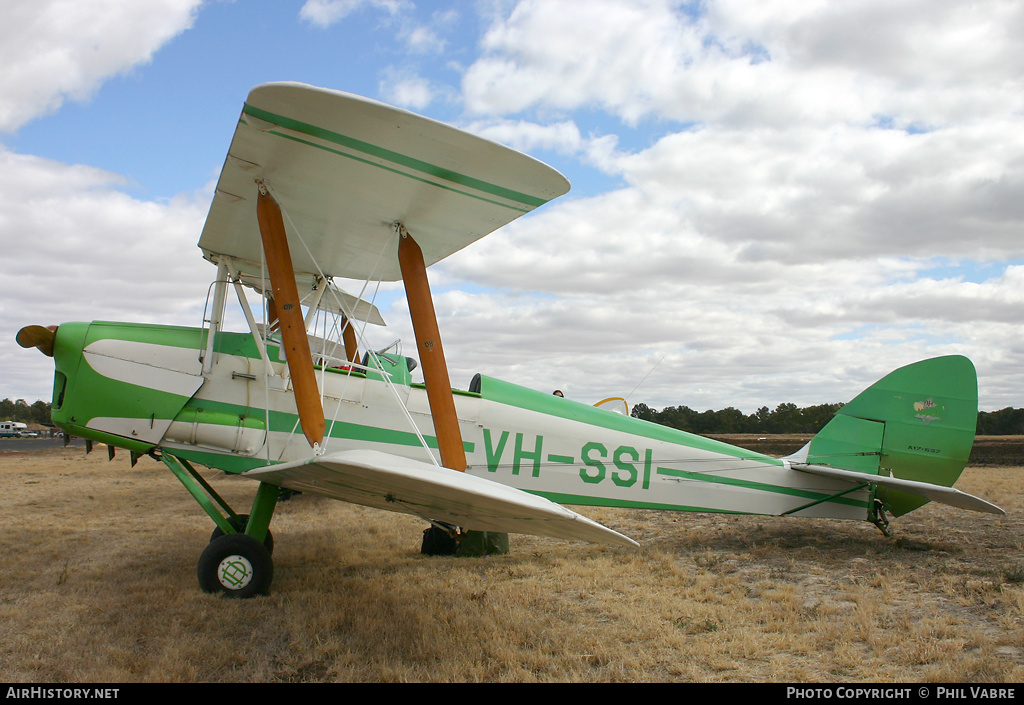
399,484
937,493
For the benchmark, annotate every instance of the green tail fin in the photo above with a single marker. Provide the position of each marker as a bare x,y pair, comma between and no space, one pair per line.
916,423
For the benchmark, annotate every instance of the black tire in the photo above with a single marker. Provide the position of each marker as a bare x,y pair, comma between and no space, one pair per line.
439,540
235,565
238,523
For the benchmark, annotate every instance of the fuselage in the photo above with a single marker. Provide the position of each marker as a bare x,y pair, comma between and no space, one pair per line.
143,387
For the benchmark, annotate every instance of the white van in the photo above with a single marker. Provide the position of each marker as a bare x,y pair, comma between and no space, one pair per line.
15,429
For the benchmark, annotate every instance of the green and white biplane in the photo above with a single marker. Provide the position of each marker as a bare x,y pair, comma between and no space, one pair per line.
319,185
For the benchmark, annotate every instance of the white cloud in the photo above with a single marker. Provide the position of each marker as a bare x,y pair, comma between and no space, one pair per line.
571,53
428,38
810,194
406,90
53,50
914,61
529,137
86,251
912,42
815,161
324,13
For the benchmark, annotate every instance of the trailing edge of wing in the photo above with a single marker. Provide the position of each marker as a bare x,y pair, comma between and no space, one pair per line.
937,493
409,486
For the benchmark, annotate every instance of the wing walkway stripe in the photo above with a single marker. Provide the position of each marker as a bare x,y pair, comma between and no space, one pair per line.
372,163
394,157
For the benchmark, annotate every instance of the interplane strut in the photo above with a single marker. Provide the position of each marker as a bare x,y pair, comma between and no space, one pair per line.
428,342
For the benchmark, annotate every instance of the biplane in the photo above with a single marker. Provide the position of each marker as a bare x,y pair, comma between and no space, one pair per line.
320,186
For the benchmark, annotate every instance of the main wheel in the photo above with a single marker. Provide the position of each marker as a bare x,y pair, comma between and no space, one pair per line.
235,565
238,523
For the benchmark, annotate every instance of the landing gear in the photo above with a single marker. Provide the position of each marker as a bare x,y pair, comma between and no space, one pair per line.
441,539
878,518
235,565
238,523
237,561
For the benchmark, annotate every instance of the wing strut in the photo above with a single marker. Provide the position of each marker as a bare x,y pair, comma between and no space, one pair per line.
289,313
428,341
349,336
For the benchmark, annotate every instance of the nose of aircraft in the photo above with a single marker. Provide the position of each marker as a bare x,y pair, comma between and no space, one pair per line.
38,337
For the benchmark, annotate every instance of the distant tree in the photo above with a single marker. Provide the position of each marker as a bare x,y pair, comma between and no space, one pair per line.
681,417
19,410
761,419
785,419
642,411
1005,422
730,420
704,422
40,412
789,418
814,418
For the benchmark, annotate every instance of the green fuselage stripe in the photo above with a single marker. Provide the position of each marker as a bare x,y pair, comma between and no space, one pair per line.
431,170
284,422
591,501
748,484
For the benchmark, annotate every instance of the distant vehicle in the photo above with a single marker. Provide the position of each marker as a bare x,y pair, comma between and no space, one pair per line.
13,429
28,434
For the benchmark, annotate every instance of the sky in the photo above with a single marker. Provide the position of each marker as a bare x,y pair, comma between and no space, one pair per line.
772,202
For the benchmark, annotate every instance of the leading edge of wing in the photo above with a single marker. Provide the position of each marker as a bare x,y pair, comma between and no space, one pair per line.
936,493
400,484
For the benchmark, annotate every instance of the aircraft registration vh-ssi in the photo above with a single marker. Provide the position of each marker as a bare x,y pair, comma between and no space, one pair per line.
318,185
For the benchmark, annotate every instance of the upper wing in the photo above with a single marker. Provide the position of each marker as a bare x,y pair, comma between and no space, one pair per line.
409,486
345,169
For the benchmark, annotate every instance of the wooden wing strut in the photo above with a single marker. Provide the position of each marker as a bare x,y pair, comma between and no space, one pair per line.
428,342
289,313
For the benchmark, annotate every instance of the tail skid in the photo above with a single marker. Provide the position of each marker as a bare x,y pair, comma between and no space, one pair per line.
908,436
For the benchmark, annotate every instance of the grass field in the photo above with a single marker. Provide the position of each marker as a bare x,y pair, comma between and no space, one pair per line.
97,584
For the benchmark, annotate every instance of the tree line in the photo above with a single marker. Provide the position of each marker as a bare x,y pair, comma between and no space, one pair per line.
785,418
789,418
20,410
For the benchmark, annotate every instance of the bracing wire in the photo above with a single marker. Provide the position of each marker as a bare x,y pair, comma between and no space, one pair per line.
360,334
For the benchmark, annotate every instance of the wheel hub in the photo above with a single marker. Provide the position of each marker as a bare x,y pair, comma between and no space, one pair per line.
234,572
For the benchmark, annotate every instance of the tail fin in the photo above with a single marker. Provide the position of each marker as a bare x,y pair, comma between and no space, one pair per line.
916,423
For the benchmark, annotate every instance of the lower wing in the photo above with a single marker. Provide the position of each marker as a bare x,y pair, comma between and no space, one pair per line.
435,493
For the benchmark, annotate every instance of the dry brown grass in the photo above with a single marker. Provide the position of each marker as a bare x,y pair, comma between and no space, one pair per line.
98,585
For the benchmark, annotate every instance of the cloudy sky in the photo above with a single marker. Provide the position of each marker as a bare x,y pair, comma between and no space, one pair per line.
772,202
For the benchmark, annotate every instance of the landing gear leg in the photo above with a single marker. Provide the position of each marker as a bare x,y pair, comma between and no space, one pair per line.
878,518
237,561
239,522
240,564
